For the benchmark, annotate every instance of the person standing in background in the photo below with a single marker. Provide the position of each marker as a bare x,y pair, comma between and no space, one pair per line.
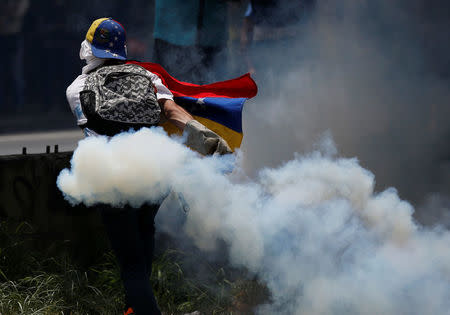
12,13
190,39
269,32
236,10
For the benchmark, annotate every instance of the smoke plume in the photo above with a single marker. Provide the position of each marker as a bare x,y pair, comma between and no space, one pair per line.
374,73
316,226
312,228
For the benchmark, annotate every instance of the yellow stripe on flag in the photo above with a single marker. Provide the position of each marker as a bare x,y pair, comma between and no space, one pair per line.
233,138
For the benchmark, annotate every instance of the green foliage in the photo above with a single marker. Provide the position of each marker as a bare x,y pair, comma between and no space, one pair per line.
178,292
37,279
44,280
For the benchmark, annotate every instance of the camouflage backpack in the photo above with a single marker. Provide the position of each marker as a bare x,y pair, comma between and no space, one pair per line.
119,97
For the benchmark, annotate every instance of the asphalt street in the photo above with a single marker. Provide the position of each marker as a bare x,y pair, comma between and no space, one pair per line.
37,142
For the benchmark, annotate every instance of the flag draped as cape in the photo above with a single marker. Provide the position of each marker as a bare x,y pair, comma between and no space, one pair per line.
218,106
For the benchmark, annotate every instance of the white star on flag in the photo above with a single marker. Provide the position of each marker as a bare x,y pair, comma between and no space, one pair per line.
201,101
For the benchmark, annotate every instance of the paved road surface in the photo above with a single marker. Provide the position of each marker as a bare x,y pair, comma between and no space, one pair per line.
37,142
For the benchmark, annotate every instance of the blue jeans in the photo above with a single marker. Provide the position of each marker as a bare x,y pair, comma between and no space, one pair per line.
132,236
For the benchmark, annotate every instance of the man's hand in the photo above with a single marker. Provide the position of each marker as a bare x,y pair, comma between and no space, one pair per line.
204,140
199,138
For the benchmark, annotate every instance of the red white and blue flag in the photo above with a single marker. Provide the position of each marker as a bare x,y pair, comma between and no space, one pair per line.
217,105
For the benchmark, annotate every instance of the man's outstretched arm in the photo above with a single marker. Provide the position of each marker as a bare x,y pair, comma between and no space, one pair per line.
174,113
199,138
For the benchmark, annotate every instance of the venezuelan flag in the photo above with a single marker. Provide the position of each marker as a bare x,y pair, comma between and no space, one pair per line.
218,105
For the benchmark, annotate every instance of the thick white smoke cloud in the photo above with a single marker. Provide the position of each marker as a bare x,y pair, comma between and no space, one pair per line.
312,228
109,171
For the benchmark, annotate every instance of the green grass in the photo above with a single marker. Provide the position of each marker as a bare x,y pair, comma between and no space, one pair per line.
37,279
